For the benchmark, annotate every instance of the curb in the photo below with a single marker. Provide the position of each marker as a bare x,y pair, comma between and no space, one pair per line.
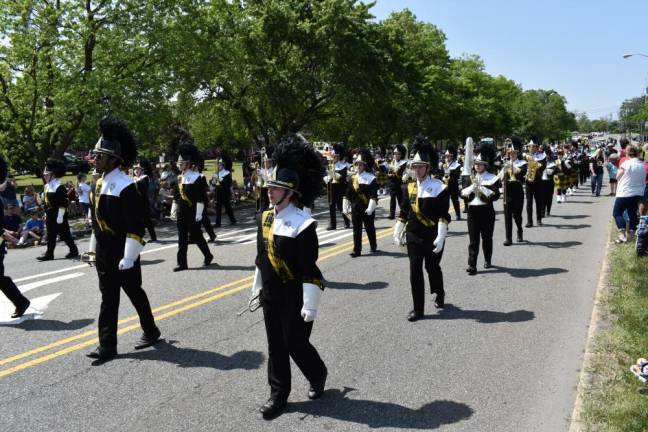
575,422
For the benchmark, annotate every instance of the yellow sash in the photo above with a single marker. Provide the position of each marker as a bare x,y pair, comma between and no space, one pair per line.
183,194
94,197
356,187
412,190
279,265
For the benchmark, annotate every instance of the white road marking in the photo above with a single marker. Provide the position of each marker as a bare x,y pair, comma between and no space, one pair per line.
34,285
36,309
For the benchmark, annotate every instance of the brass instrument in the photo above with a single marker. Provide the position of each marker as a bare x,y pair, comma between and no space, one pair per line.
468,162
532,168
477,184
331,171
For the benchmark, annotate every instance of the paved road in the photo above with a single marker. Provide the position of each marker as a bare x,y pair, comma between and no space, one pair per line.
503,356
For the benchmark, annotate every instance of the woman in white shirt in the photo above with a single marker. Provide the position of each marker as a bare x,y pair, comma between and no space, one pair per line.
83,191
631,179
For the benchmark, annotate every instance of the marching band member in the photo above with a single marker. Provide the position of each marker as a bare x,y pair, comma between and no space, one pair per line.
205,222
191,196
424,220
548,182
222,181
396,170
261,175
56,204
536,163
144,173
452,177
287,278
336,186
360,201
512,178
562,176
118,227
481,194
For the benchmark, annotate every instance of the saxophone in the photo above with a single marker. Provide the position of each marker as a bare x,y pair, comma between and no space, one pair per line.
532,168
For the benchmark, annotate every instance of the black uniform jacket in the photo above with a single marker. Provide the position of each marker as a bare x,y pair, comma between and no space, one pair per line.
514,180
142,184
452,175
362,188
55,198
490,181
287,252
192,189
225,183
425,205
117,213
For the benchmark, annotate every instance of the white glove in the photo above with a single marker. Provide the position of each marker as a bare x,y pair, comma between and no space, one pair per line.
398,231
255,293
486,192
439,242
59,217
406,176
338,176
346,206
92,248
174,210
465,192
371,207
312,296
199,211
327,179
132,249
567,164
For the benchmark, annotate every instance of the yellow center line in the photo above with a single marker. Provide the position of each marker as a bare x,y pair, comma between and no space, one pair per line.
329,253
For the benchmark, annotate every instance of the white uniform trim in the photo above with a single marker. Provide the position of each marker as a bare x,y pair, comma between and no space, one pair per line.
52,185
143,176
190,177
222,173
430,188
115,182
339,166
519,163
291,221
365,178
488,179
453,165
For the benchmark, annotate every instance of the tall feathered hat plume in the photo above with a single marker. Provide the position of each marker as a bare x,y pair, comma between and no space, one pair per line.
424,152
116,140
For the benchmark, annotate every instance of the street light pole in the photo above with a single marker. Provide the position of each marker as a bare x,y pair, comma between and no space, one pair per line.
644,92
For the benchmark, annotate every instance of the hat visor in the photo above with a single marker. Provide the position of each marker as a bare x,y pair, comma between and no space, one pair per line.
106,152
283,185
419,162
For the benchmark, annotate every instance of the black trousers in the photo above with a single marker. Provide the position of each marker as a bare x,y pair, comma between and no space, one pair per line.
54,231
513,211
187,229
418,253
547,196
227,203
7,286
288,336
149,226
110,285
335,205
395,195
454,197
206,223
359,218
481,223
534,192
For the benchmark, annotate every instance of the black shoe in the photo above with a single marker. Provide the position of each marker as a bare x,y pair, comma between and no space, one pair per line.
354,254
439,302
102,354
539,223
153,239
507,242
391,217
529,225
273,408
458,217
72,254
317,389
520,239
330,228
471,271
180,268
20,310
45,257
487,265
208,260
233,223
374,250
212,239
148,340
347,226
414,316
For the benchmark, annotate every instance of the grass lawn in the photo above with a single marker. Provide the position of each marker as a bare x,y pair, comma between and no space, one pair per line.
612,401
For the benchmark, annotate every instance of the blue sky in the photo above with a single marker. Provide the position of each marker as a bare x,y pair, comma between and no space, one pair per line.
572,46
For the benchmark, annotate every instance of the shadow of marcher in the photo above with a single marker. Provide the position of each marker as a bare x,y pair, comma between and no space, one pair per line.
194,358
451,312
151,262
457,233
391,254
216,266
526,272
578,201
567,226
579,216
51,325
351,285
556,245
375,414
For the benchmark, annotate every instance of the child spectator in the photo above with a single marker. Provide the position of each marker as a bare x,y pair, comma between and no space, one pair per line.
33,230
612,168
12,224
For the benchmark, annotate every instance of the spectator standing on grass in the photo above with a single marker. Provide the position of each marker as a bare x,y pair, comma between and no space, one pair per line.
29,199
631,178
643,202
83,190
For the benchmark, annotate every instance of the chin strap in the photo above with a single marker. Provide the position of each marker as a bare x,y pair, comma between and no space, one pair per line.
285,194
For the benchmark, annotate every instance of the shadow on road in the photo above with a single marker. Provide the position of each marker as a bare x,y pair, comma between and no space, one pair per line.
356,286
567,226
334,404
151,262
194,358
556,245
216,266
570,216
526,272
391,254
457,233
578,201
51,325
451,312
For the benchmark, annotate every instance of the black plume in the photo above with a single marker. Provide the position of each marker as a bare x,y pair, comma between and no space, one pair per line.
56,167
114,129
295,153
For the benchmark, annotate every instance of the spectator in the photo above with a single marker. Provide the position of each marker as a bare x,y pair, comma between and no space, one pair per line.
643,202
631,178
12,225
596,169
73,200
83,190
33,231
169,176
8,193
165,200
29,199
612,168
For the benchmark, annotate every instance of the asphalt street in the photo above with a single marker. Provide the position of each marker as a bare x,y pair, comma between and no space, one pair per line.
504,355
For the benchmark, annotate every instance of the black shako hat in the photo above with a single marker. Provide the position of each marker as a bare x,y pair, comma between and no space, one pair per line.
55,167
424,153
116,140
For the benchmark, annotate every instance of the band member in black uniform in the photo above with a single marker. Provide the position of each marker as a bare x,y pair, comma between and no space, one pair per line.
481,194
261,176
360,201
56,204
548,181
287,278
144,173
396,169
452,177
191,196
512,178
118,226
7,286
336,184
222,181
424,220
205,222
536,164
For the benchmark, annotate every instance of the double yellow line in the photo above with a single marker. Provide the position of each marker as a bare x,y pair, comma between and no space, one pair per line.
172,309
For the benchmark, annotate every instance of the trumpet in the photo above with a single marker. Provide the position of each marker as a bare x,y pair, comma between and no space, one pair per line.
331,171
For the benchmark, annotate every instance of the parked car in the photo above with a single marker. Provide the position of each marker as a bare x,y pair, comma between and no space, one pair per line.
74,164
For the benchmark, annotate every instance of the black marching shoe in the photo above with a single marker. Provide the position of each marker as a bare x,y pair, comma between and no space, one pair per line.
354,254
330,228
507,242
391,217
520,239
439,302
528,225
414,316
72,254
471,271
180,268
45,257
487,265
273,408
20,310
102,354
148,340
317,389
539,223
374,250
208,260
